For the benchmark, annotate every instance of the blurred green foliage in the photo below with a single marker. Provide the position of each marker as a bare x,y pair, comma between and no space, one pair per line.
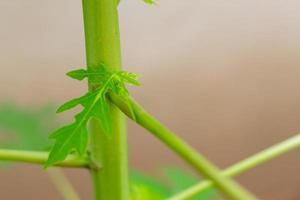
174,180
27,129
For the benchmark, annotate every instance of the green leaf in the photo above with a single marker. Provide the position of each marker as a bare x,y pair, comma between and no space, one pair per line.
130,78
103,113
144,187
73,137
79,74
142,192
75,102
151,2
181,180
69,138
24,127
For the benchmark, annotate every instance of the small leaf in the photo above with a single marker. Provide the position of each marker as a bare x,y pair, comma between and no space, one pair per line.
151,2
69,138
74,137
79,74
69,105
74,102
130,78
94,105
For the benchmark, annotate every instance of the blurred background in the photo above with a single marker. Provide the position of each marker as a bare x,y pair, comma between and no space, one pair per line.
224,75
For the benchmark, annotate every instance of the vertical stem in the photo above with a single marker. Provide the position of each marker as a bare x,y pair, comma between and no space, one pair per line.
103,46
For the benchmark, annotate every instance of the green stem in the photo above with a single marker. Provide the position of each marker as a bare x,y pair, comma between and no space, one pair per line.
200,163
39,157
62,184
243,166
102,41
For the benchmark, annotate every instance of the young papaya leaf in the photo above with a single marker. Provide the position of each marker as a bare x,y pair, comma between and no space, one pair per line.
73,137
79,74
68,138
75,102
130,78
93,75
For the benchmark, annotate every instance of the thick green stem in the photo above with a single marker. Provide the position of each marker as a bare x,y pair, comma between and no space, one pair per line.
102,40
200,163
40,157
244,165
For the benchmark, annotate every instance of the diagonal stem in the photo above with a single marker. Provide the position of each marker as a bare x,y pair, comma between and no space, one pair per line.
268,154
229,187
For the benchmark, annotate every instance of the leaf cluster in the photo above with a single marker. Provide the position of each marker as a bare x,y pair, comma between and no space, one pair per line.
74,137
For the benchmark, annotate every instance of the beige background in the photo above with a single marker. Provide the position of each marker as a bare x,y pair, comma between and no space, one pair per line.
224,75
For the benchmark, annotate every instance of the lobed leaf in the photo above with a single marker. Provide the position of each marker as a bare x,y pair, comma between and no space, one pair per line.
74,137
75,102
68,138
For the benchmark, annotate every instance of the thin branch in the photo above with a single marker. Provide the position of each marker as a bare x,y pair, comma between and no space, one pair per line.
62,184
228,186
39,157
244,165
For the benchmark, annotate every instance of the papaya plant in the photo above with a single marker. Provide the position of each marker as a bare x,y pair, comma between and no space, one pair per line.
97,138
27,128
